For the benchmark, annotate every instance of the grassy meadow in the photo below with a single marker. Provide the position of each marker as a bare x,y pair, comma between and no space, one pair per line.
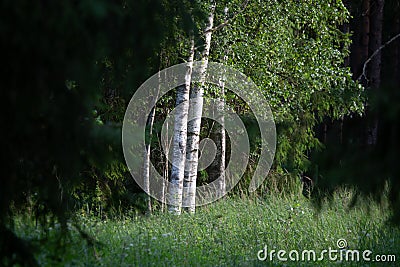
229,232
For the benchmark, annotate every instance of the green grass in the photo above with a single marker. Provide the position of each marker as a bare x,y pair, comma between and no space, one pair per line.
227,233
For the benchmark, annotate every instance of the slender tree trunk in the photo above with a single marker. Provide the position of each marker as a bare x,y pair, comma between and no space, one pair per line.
217,167
365,29
375,42
166,145
146,164
221,141
361,41
193,130
220,137
396,46
147,151
179,140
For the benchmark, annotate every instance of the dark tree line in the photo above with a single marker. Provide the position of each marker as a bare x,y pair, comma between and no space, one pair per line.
361,151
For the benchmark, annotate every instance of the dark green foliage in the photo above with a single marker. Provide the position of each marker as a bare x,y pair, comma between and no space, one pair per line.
294,52
61,61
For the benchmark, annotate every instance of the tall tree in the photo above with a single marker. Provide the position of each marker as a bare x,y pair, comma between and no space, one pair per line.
375,43
396,46
216,170
217,167
180,139
147,151
193,130
146,164
360,39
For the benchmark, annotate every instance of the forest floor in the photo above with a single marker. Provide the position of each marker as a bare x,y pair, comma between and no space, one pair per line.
236,231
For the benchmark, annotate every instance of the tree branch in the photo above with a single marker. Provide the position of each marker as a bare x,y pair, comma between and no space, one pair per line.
364,73
227,21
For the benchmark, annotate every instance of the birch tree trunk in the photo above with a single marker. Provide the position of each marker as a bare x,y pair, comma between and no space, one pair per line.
221,139
166,145
179,140
193,130
217,168
147,151
146,164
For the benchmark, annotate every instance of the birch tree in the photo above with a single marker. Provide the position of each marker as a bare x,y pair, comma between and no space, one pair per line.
193,127
217,168
147,149
166,145
222,156
179,139
146,163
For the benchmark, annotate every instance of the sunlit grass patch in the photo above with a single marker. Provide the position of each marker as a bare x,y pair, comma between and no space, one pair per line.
228,232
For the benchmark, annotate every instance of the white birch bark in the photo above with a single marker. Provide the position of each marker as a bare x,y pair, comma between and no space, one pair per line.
221,140
179,140
147,151
146,164
166,146
193,128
